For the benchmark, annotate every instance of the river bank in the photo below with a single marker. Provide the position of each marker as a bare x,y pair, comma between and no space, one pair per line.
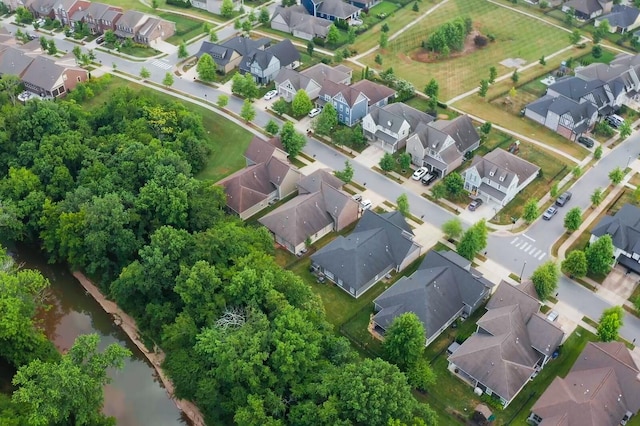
128,325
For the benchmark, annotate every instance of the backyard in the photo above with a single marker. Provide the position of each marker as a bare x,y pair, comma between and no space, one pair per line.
186,27
516,36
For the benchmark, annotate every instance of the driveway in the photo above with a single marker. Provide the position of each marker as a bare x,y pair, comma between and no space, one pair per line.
620,282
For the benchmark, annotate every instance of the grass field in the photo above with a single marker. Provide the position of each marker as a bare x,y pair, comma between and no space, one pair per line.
517,36
186,28
130,4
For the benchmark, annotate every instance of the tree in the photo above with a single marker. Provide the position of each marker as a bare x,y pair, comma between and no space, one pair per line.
473,240
596,197
570,17
223,100
575,37
292,141
248,112
226,9
484,88
625,129
385,28
512,92
51,47
452,229
351,35
455,184
545,279
333,35
573,219
616,175
327,120
610,323
439,190
387,162
530,210
415,7
213,36
272,127
77,52
384,40
281,106
596,51
168,79
378,59
597,154
515,76
110,37
493,74
404,159
402,202
575,264
69,391
301,104
144,73
404,340
206,68
250,88
310,47
600,255
542,60
555,188
182,50
432,89
346,174
264,17
577,171
246,26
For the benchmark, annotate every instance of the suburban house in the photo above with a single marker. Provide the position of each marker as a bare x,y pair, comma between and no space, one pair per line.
512,344
143,28
64,9
379,244
320,208
99,17
622,18
498,176
564,116
264,64
266,179
624,229
353,102
13,4
587,9
601,389
289,81
364,4
211,6
441,145
444,288
331,9
296,21
41,8
622,76
391,125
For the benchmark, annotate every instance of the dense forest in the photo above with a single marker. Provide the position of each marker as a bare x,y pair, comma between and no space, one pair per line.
111,190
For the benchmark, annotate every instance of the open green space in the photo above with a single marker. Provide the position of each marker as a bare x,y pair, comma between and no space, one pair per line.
516,36
186,27
130,5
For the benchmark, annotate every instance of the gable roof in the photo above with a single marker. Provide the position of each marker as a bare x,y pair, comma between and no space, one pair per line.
562,105
461,130
391,116
587,7
246,45
285,51
600,388
349,93
336,8
373,91
298,19
621,16
376,243
321,72
314,181
260,150
436,292
132,19
624,228
503,167
14,61
576,88
44,73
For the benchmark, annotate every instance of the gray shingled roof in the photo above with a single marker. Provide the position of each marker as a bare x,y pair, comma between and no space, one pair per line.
297,18
624,228
375,244
436,292
221,55
285,51
600,388
260,150
562,105
391,116
621,16
14,61
313,182
576,88
320,72
373,91
132,18
505,166
336,8
585,6
43,73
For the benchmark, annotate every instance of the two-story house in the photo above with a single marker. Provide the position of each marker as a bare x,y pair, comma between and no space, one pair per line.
624,229
64,9
212,6
228,55
564,116
587,9
296,20
331,9
498,176
265,64
289,81
143,28
441,145
391,125
41,8
353,102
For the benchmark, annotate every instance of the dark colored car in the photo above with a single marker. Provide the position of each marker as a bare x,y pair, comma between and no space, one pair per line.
563,199
475,204
585,141
100,40
428,179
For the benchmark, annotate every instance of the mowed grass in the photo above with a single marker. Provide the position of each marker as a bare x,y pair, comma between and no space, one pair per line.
516,36
186,27
130,5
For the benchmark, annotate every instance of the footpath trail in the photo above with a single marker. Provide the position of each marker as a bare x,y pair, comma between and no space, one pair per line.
129,326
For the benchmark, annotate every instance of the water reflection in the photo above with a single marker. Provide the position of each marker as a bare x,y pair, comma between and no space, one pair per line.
135,397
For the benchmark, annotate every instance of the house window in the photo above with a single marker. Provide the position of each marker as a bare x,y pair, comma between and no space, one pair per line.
340,108
536,418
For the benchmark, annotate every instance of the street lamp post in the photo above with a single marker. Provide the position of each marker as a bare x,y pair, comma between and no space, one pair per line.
522,273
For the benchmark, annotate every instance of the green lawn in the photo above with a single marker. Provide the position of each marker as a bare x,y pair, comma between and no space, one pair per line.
186,27
130,4
516,36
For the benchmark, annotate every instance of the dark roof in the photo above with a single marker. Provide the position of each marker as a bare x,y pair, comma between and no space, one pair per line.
598,391
373,91
44,73
349,93
376,243
298,19
336,8
621,16
391,116
562,105
461,130
587,7
624,228
436,292
246,45
312,182
503,167
260,150
221,55
576,88
285,51
14,61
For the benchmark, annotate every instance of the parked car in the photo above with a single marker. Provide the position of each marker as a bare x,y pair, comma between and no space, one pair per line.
32,36
428,178
551,212
614,120
357,197
100,40
366,204
585,141
475,204
25,96
553,315
563,199
41,22
314,112
419,174
270,95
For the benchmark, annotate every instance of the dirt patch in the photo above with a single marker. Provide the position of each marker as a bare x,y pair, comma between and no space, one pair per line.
422,55
443,117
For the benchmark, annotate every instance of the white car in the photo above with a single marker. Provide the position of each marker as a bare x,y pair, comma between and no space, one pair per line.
270,95
366,204
418,174
25,96
314,112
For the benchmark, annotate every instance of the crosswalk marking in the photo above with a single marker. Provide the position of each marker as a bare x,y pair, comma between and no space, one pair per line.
528,247
161,64
542,255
